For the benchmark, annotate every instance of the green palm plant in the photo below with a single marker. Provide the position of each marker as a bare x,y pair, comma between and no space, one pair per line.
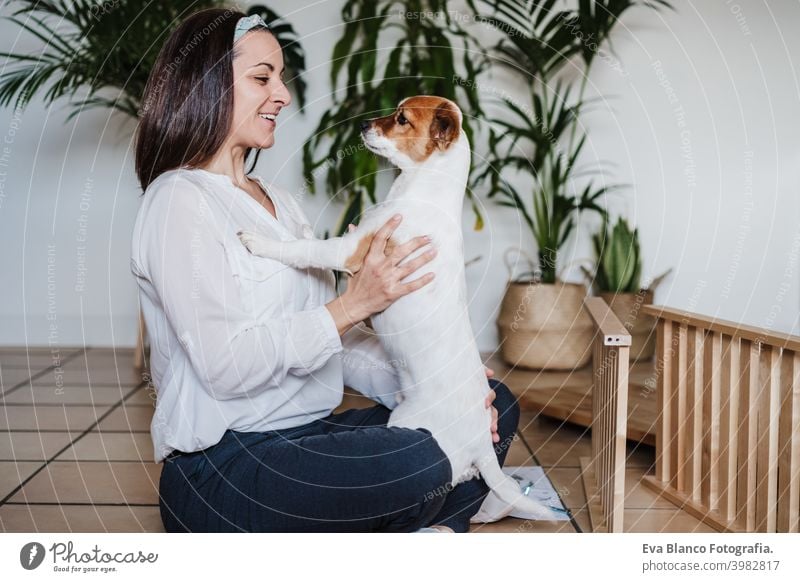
421,60
542,140
551,214
101,54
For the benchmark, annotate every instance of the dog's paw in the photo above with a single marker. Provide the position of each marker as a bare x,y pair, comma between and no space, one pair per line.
253,242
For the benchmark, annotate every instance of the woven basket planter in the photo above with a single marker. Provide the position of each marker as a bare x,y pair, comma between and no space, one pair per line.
543,326
627,307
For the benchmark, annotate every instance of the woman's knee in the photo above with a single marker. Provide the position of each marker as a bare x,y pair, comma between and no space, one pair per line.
170,497
424,483
428,467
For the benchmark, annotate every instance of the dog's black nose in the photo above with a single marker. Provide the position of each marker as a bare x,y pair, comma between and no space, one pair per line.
364,125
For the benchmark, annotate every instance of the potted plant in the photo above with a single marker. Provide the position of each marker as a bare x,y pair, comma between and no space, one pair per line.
541,142
617,279
555,333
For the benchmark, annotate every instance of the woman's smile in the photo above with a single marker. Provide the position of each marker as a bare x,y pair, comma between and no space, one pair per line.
269,119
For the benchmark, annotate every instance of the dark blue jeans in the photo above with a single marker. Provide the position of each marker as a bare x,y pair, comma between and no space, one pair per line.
348,472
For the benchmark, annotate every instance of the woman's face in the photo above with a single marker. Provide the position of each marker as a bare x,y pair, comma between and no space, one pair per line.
258,89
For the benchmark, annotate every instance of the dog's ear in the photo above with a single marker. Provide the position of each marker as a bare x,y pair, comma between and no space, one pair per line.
445,126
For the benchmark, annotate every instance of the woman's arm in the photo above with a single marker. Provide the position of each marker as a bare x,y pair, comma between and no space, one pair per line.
182,254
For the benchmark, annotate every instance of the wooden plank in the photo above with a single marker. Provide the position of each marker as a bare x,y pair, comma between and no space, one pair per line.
610,354
620,420
597,358
732,328
697,510
679,365
679,419
598,436
766,464
729,418
607,485
712,358
709,481
789,444
694,415
664,354
748,436
611,328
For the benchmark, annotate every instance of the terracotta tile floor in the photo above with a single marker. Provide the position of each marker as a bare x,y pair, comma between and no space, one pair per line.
76,455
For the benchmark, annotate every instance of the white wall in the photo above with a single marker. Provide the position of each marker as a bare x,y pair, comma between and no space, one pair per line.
715,199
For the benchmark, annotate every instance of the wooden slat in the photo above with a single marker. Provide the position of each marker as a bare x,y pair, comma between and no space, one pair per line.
729,419
732,328
789,444
605,458
767,464
748,436
597,358
620,390
679,418
712,357
679,364
600,435
608,433
664,357
694,415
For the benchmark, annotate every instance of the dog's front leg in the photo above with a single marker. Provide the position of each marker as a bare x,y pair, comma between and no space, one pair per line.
332,253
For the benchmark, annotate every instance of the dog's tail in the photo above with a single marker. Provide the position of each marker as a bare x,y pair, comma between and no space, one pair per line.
508,490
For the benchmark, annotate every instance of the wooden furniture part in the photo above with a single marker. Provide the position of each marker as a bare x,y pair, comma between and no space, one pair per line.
604,472
728,438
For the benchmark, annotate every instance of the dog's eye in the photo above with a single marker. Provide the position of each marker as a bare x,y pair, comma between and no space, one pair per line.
401,119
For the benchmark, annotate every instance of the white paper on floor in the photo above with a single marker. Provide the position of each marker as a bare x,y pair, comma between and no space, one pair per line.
533,483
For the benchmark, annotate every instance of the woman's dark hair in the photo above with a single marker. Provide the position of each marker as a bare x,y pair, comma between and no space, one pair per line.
187,106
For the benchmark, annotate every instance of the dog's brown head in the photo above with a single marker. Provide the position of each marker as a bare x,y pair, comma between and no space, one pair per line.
418,128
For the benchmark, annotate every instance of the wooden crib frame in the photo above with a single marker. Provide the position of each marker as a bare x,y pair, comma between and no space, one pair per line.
728,440
604,472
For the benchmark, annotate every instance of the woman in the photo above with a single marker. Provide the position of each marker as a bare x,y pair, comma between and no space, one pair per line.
249,357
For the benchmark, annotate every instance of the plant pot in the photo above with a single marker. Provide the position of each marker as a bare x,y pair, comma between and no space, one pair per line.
627,308
543,326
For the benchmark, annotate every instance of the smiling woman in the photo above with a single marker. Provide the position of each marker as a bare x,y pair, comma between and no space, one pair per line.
247,353
188,113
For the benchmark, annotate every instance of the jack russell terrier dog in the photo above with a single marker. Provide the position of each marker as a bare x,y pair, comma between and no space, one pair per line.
443,383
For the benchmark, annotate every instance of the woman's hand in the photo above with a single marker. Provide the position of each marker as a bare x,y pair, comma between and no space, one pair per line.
377,284
489,399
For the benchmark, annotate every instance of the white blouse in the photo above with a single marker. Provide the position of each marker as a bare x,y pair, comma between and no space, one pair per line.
238,341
